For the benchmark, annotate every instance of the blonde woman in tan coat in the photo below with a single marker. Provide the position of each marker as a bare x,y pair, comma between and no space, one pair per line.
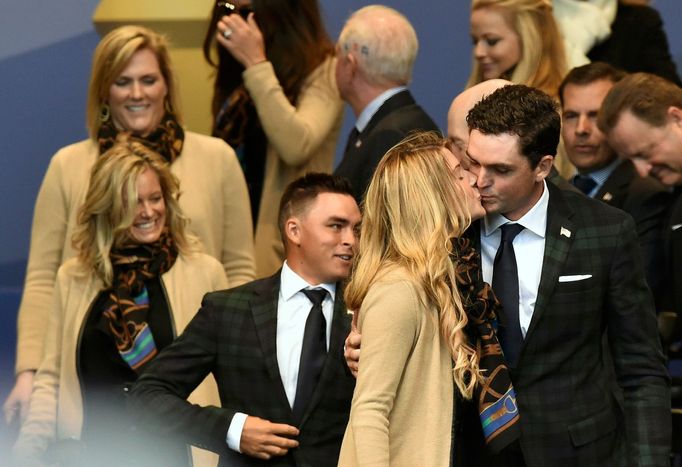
134,285
415,354
132,90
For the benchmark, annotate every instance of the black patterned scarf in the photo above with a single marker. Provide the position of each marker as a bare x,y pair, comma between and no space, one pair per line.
127,304
497,407
167,139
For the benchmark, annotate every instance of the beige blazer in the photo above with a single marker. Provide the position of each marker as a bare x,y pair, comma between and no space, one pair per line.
213,196
301,138
56,409
402,407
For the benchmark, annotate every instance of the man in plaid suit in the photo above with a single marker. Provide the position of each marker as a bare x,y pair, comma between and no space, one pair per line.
580,277
250,339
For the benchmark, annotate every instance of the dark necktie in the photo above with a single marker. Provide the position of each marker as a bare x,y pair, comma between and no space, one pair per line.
506,287
584,183
313,352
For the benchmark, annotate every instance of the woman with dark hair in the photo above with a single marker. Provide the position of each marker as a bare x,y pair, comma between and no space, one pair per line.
135,283
275,101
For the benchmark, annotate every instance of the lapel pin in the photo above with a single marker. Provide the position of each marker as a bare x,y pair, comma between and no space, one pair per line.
607,197
565,232
358,143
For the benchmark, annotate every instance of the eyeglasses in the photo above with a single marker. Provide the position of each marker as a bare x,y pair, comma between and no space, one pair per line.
227,8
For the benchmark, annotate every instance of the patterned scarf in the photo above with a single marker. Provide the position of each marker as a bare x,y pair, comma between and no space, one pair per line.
497,407
167,139
127,304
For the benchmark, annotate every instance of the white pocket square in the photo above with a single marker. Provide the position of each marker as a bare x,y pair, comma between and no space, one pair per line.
578,277
676,226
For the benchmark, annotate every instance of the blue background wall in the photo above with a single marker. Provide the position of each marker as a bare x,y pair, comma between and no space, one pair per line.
45,53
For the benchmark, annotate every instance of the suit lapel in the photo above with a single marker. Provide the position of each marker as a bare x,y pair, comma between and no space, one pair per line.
558,238
340,329
617,184
264,311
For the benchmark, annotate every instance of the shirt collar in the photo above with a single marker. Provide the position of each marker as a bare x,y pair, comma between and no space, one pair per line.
534,220
371,108
291,283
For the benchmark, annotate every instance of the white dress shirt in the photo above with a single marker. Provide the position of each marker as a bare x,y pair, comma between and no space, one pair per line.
529,249
293,308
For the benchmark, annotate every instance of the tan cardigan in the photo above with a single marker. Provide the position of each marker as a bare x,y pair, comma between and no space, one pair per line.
403,402
213,196
56,409
301,139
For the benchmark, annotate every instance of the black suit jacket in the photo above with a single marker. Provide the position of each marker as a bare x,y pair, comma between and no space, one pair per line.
233,337
637,43
592,283
647,201
394,120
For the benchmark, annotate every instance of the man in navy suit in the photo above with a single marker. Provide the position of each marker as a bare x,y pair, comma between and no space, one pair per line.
285,397
375,54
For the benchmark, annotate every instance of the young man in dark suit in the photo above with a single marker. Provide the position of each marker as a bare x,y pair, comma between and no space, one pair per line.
601,174
578,276
573,276
375,54
278,362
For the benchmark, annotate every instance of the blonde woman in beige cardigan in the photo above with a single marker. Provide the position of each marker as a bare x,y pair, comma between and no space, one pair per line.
132,89
275,101
414,351
135,284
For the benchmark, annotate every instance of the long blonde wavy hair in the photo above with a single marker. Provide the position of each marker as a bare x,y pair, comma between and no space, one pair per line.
412,210
111,203
543,59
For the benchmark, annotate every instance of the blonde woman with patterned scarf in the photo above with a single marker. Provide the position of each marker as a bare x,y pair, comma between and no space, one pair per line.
423,311
134,284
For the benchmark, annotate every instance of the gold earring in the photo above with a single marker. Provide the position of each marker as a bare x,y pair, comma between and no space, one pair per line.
104,113
167,106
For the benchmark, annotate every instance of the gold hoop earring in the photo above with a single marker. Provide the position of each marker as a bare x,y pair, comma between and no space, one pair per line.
167,106
104,113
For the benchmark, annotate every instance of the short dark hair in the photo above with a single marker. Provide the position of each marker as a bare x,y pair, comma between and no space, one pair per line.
588,74
301,192
523,111
647,96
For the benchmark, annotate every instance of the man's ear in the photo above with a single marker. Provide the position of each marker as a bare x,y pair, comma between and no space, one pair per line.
292,230
676,114
544,167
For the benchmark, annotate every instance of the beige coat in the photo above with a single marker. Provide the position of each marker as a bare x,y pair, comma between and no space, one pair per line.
213,196
402,407
301,139
56,409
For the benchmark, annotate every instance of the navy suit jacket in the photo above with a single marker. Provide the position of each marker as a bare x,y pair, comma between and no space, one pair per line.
394,120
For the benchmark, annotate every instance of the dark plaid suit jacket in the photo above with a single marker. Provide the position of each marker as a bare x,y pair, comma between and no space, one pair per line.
569,413
233,337
392,122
